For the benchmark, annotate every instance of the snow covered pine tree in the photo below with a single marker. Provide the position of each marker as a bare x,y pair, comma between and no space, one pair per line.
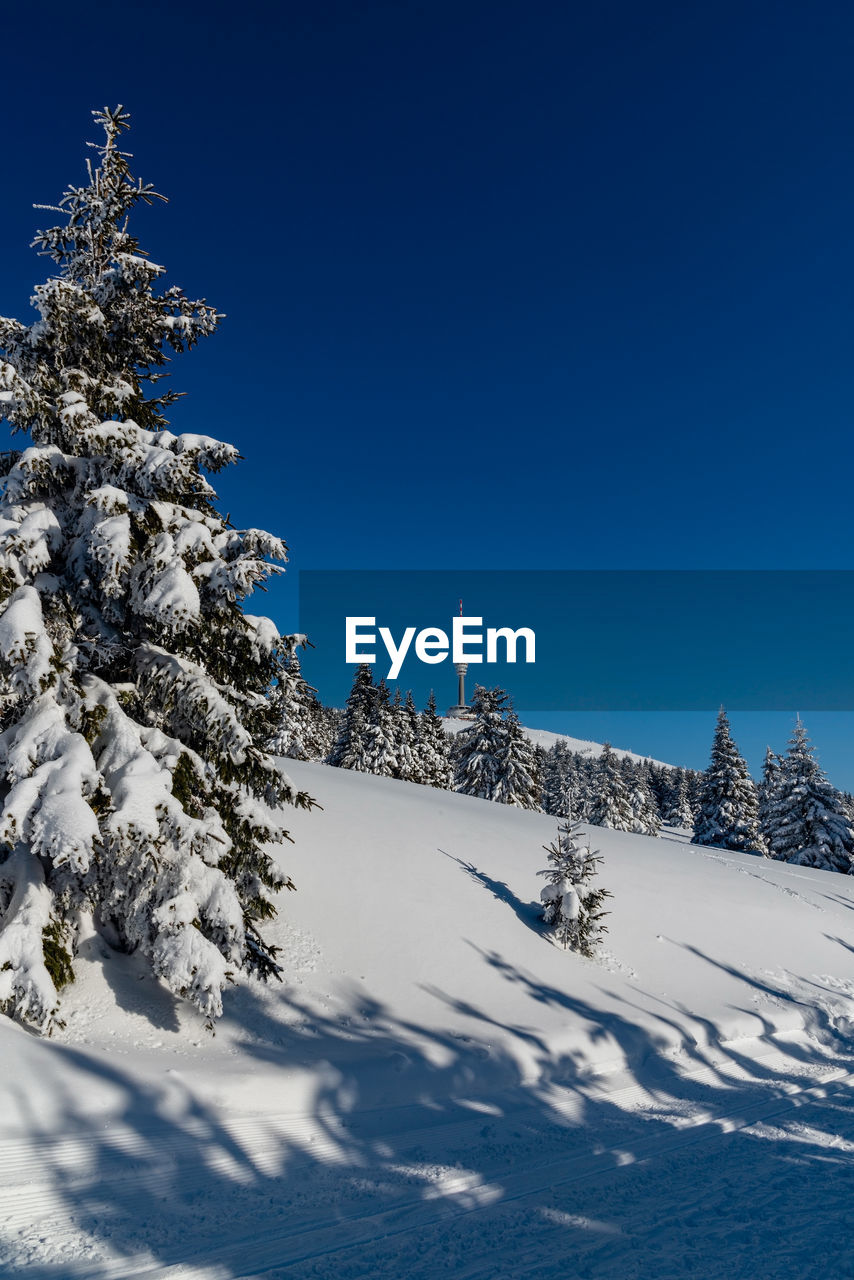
407,739
805,818
728,816
434,747
770,794
646,820
134,694
571,906
610,805
492,757
679,813
349,749
299,732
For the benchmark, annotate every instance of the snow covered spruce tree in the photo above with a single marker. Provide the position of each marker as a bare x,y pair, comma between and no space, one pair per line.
299,732
646,819
770,794
405,729
380,736
349,749
367,739
610,806
571,906
328,728
492,758
134,689
566,782
806,817
679,813
518,774
661,784
434,747
411,762
475,750
728,816
554,774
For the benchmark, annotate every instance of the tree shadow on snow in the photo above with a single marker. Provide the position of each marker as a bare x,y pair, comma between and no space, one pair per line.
129,978
831,937
528,913
419,1151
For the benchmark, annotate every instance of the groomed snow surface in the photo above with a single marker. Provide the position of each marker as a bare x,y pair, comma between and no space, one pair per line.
438,1090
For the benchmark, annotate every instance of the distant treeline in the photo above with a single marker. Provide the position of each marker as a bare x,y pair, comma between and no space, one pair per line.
794,814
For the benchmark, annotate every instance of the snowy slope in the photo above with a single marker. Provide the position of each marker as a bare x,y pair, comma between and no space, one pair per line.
546,738
437,1089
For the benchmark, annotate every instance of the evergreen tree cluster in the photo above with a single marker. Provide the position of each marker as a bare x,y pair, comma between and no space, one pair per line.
621,793
794,815
491,757
388,737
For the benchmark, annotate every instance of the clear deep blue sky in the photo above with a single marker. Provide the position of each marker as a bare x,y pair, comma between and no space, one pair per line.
508,284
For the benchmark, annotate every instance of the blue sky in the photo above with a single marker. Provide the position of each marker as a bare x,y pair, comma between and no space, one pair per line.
508,284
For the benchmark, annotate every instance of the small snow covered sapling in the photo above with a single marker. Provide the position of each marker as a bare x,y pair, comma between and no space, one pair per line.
571,906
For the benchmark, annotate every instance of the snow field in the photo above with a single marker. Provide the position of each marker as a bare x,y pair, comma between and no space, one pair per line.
437,1089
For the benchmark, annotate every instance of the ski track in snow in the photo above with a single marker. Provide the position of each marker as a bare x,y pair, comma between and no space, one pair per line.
508,1204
